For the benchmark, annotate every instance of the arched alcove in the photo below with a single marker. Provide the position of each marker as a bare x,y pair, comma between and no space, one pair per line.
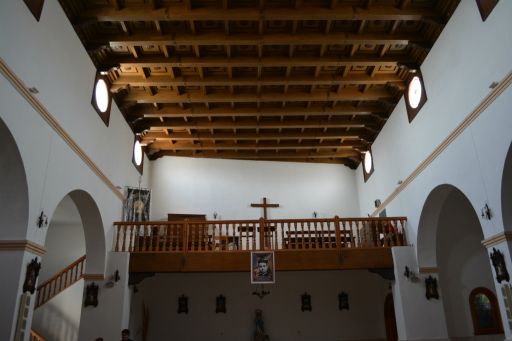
14,202
427,227
506,191
449,238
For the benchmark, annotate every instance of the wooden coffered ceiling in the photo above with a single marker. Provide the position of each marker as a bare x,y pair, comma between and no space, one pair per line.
287,80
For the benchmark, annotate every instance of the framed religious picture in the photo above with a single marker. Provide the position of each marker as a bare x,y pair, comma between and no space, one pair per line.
220,304
183,304
136,204
262,267
431,288
91,295
31,276
498,262
306,302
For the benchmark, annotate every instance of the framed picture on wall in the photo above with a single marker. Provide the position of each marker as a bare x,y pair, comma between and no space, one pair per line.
136,204
262,267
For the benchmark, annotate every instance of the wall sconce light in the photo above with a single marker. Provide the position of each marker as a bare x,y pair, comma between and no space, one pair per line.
410,275
377,203
315,214
486,212
215,215
42,220
113,280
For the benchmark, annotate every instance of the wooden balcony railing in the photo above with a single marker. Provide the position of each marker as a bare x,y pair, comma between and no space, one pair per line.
251,235
34,336
60,281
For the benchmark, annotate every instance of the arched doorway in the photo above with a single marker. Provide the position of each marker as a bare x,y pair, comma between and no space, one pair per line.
13,188
449,239
389,319
14,210
506,191
75,230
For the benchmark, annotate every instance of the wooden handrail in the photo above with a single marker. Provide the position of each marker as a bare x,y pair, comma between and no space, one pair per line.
60,281
34,336
250,235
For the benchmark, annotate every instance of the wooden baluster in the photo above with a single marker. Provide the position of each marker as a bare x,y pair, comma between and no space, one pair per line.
117,238
253,236
144,242
221,236
337,232
318,243
185,235
130,245
214,236
137,238
285,226
262,233
353,239
124,238
403,242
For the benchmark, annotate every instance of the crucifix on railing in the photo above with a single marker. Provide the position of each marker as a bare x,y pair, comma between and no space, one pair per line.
265,238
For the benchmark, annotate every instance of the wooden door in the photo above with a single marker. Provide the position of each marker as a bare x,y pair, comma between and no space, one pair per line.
389,319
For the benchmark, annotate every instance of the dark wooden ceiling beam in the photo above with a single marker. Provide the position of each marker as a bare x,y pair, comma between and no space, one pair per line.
249,123
164,80
162,144
228,111
267,155
346,94
353,133
297,61
134,12
121,40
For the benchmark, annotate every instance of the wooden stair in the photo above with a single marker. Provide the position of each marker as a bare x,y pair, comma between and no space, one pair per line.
58,282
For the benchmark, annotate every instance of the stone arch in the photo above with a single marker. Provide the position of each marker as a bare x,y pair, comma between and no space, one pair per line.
427,227
95,246
506,192
14,200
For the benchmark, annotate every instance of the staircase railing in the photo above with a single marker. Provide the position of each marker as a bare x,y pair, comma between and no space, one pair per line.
249,235
34,336
60,281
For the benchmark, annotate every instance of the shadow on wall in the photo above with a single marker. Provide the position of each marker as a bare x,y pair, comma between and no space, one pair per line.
13,187
506,192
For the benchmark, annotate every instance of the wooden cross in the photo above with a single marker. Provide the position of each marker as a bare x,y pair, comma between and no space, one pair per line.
265,205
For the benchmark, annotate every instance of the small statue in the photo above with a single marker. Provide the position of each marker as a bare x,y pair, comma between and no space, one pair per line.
259,331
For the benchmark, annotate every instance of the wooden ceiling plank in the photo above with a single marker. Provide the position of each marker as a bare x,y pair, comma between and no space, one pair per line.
164,144
139,12
268,155
239,61
347,94
175,39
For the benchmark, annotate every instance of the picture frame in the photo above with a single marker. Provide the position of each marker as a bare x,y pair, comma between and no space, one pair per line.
262,267
343,301
183,304
31,276
136,204
500,268
220,304
306,302
91,295
431,288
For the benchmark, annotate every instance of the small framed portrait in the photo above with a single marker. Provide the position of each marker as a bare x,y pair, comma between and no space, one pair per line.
262,267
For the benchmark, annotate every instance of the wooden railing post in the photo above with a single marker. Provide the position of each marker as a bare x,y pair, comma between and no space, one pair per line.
262,234
185,235
117,238
337,232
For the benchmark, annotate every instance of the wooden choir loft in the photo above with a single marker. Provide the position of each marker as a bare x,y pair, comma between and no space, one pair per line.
225,245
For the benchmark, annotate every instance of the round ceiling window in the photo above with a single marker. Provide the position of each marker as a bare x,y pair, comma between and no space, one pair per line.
137,153
368,162
414,92
101,95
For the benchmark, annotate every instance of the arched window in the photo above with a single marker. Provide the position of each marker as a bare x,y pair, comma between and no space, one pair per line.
485,312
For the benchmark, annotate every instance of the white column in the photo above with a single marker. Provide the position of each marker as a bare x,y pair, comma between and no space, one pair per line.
417,318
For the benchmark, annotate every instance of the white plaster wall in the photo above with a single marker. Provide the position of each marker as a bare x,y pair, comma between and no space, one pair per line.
466,59
463,263
282,313
228,187
49,56
59,318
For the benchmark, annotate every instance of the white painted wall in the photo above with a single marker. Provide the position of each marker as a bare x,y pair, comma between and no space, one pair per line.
456,81
59,318
49,56
228,187
463,263
282,313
